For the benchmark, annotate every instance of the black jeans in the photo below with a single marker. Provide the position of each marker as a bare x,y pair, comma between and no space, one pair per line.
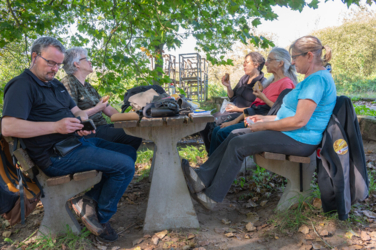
222,167
109,133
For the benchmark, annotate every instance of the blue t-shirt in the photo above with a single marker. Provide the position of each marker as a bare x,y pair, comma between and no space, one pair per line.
320,88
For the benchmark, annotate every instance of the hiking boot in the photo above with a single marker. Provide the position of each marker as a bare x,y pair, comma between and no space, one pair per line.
86,209
204,200
109,234
194,183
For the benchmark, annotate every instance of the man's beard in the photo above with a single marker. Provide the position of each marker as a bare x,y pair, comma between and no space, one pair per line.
48,76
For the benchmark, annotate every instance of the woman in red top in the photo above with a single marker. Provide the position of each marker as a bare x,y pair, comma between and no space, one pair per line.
284,77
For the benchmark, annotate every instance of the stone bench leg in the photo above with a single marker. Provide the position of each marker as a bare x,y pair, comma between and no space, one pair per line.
290,170
57,214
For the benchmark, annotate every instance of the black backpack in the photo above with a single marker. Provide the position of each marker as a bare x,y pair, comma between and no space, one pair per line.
137,90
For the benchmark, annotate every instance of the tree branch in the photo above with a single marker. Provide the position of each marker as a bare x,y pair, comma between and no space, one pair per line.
11,11
26,45
52,1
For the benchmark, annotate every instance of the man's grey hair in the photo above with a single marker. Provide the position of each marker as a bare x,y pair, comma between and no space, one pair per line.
45,42
288,69
71,56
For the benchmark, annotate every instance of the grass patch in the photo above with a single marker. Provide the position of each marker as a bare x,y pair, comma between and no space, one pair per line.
363,110
144,156
68,241
193,153
143,164
290,220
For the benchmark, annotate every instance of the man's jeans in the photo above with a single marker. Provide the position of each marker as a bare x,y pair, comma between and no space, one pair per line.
115,161
109,133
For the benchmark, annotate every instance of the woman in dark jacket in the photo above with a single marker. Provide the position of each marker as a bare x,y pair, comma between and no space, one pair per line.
241,96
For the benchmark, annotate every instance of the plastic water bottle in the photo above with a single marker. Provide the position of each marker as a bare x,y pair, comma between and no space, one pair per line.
171,88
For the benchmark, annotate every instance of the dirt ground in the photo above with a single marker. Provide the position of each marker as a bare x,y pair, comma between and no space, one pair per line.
237,223
226,227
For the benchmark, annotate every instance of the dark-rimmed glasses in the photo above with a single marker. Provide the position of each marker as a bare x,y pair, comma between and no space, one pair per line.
51,63
85,58
270,59
295,56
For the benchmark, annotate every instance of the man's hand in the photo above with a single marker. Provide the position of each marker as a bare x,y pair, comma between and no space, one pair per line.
101,105
85,132
68,125
225,83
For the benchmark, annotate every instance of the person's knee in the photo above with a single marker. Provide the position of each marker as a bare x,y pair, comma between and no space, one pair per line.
234,143
222,134
127,166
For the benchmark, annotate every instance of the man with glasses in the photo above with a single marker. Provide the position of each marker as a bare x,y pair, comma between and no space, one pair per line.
77,65
38,109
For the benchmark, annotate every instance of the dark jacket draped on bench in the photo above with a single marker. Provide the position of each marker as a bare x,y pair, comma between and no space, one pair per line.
342,173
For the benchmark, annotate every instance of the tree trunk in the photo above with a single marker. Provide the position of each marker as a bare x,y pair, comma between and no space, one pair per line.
159,50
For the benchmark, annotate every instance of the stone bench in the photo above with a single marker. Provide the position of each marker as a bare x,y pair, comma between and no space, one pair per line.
296,169
57,191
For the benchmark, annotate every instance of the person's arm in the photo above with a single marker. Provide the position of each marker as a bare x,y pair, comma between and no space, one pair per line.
233,122
78,112
233,108
20,128
304,111
227,84
263,97
230,92
109,111
97,108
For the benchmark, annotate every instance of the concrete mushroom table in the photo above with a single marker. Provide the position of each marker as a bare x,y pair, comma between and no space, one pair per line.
169,205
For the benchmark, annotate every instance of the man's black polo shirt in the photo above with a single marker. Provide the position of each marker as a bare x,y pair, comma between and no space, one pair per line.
28,98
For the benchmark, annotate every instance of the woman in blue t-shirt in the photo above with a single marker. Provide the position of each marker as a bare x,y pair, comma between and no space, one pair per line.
295,130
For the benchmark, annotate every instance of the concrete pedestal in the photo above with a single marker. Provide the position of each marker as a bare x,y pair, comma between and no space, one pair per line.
57,215
169,205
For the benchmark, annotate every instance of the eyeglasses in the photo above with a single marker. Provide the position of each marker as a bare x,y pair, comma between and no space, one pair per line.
51,63
270,59
295,56
85,58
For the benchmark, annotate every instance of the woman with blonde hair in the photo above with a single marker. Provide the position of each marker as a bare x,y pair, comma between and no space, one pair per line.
295,130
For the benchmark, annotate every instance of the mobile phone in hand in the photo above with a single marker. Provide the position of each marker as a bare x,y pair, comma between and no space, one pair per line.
88,125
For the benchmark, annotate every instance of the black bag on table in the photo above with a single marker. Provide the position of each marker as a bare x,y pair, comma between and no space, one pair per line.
137,90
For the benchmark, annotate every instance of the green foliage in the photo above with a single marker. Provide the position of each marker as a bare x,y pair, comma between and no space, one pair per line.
70,240
261,176
143,173
353,47
192,152
372,181
144,156
216,89
8,240
363,110
291,219
122,36
349,86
